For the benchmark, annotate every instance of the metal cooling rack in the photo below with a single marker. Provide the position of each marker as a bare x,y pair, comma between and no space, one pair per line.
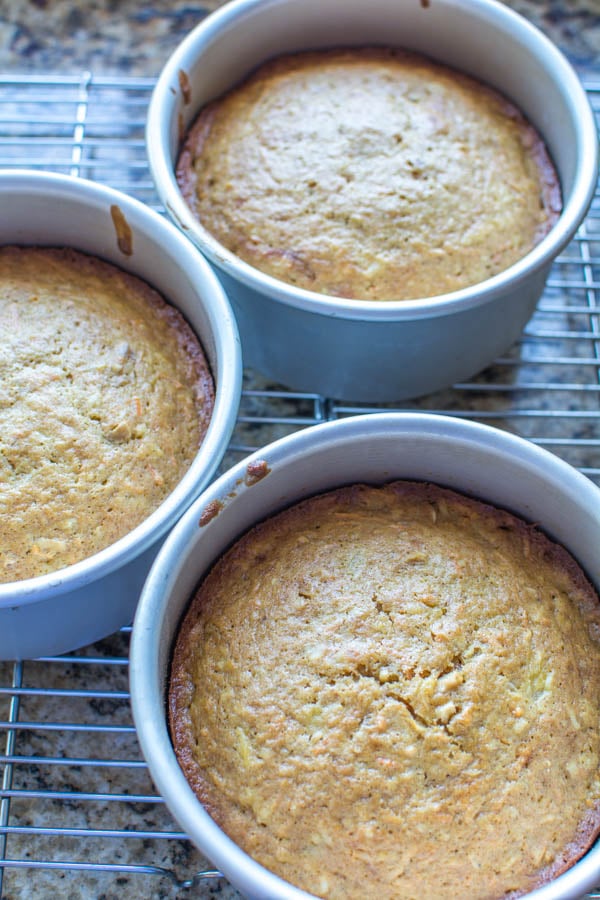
78,811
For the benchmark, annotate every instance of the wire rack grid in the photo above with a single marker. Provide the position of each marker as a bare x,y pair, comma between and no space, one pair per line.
78,811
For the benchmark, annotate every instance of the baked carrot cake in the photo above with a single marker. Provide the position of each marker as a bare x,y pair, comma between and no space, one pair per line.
105,396
369,173
395,687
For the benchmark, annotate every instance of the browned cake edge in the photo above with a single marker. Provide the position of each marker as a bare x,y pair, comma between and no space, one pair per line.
181,687
199,133
195,367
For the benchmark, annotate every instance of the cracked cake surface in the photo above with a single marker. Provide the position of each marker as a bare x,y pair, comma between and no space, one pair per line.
369,173
105,396
394,686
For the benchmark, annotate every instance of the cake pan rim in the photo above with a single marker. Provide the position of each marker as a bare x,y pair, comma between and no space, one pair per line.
57,186
164,96
148,685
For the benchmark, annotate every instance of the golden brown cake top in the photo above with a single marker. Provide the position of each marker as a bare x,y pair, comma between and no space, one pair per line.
370,174
105,395
396,688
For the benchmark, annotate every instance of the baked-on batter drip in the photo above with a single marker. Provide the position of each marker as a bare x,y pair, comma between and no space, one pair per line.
394,691
105,396
370,174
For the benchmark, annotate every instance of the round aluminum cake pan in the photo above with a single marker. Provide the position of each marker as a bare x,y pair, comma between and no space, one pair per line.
493,465
81,603
366,350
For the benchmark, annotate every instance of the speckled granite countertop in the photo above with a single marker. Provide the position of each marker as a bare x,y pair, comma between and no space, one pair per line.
126,37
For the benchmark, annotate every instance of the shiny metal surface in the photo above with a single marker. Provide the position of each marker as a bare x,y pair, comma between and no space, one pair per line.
78,810
365,350
91,599
470,457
